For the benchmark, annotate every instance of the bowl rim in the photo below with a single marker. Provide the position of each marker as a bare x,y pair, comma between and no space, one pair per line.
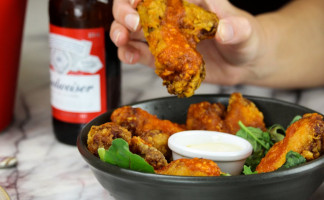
120,173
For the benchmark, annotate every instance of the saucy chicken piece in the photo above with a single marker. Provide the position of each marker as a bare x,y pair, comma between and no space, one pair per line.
244,110
305,136
139,121
172,29
151,155
191,167
206,116
102,136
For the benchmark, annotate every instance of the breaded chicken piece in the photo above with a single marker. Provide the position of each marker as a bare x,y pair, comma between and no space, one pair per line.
172,29
206,116
244,110
139,121
305,136
191,167
103,135
151,155
159,140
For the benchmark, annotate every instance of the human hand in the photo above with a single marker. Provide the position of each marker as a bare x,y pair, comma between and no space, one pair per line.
230,58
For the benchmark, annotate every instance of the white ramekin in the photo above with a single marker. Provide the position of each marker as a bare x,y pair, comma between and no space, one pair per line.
229,162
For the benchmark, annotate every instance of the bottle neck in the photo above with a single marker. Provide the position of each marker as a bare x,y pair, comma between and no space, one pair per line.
76,13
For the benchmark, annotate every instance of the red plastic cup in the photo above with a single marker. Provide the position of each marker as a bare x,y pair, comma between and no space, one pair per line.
12,15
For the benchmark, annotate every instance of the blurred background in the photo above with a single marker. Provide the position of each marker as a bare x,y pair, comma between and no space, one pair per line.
34,61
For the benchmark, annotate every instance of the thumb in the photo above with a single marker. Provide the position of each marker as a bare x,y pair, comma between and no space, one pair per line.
238,39
233,30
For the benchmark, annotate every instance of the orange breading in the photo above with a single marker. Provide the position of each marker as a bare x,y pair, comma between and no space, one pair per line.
244,110
206,116
306,137
172,29
191,167
139,121
103,135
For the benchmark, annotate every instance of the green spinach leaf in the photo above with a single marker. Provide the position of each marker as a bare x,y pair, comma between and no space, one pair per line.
247,170
119,154
293,159
253,160
260,141
257,138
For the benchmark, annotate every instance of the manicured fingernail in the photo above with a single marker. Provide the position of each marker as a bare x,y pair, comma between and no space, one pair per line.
225,30
116,35
129,56
132,2
132,21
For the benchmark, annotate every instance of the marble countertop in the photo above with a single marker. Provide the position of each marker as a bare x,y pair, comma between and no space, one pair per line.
48,169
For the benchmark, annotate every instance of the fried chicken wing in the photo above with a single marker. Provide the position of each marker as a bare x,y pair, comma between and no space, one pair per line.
206,116
139,121
151,155
172,29
103,135
191,167
306,137
244,110
159,140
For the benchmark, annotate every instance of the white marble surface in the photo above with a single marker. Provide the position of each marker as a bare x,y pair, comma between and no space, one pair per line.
47,169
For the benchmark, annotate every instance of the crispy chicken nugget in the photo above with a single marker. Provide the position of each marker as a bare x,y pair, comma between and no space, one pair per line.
244,110
206,116
103,135
151,155
306,137
191,167
159,140
172,29
139,121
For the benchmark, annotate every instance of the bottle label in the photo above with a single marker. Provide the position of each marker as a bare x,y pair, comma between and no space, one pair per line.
77,72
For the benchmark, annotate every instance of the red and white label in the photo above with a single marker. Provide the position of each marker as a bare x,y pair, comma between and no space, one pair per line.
77,70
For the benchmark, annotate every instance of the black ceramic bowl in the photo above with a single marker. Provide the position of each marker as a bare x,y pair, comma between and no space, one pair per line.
295,183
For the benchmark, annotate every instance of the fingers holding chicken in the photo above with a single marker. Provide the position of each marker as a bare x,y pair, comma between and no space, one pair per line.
172,29
198,24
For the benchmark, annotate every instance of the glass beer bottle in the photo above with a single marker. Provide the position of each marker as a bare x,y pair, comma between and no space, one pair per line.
84,67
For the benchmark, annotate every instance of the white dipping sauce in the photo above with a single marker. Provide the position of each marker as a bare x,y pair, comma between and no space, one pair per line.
216,147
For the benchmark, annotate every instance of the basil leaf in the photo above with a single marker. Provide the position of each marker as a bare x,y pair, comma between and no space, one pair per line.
119,154
293,159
